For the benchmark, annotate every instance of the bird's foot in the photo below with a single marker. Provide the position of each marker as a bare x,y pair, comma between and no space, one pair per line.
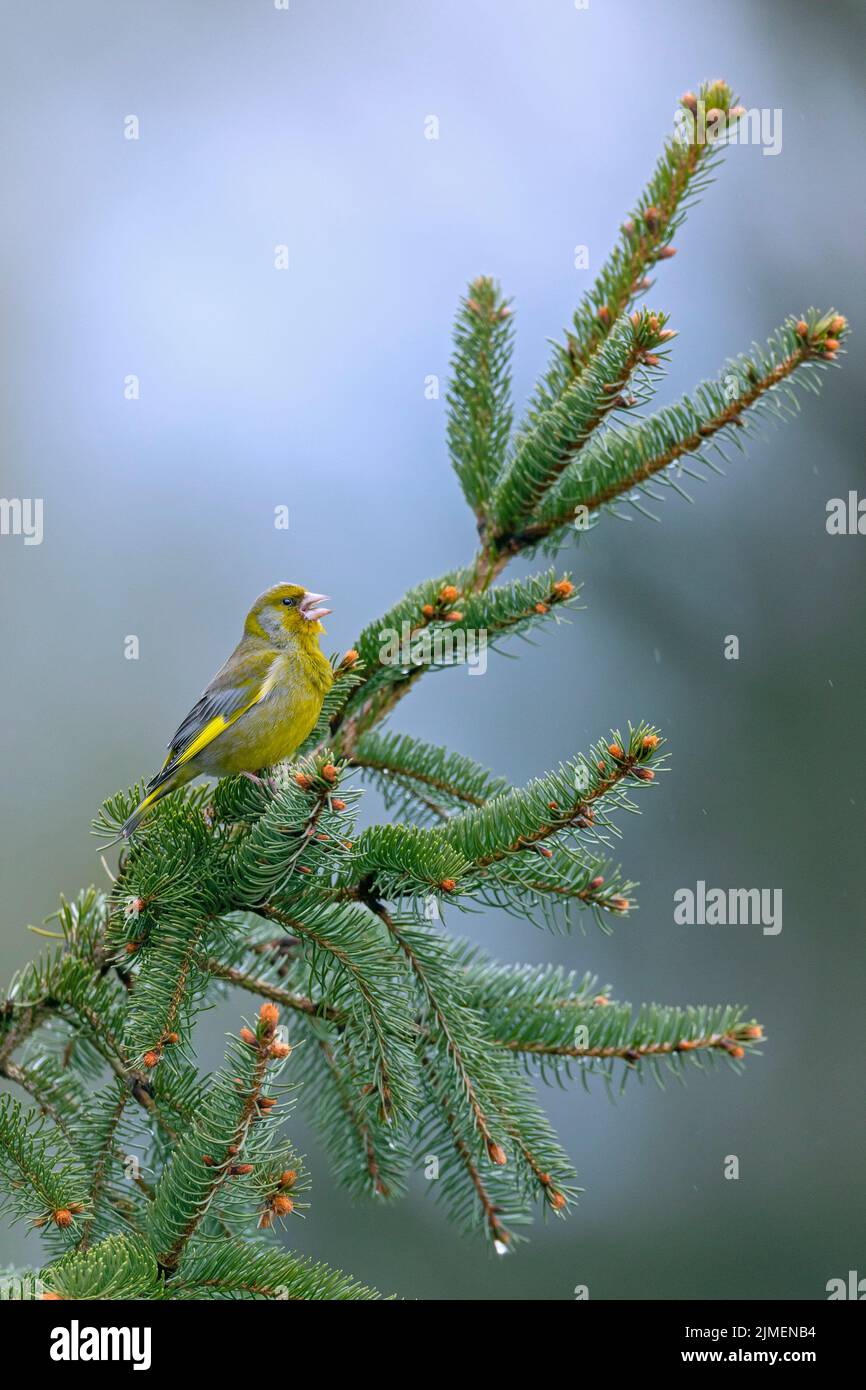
263,783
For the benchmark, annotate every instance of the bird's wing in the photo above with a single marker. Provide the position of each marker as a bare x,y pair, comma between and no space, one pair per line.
228,696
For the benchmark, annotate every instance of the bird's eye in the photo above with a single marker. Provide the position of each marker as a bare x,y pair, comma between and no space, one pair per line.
290,602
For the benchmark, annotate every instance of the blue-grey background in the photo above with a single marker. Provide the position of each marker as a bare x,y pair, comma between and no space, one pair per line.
258,388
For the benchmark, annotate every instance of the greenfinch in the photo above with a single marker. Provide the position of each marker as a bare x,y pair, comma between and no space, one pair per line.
261,705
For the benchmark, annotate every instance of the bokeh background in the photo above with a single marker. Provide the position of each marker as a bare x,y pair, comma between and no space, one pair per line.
306,388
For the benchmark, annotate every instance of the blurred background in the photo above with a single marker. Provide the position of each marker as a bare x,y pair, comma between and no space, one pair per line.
154,257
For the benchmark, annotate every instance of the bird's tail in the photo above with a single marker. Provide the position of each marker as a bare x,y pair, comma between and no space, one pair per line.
132,822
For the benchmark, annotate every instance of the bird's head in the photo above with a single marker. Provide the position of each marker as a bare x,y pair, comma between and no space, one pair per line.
286,613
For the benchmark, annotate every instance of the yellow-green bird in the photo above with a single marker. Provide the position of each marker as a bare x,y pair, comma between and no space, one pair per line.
261,705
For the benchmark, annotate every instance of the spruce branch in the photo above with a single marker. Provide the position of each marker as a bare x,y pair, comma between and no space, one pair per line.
41,1179
261,1272
750,387
452,1023
369,1157
489,1202
682,173
408,772
479,395
560,431
431,628
122,1267
210,1154
355,965
600,1033
265,990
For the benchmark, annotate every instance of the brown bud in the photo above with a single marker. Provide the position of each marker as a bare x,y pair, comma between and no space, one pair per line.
279,1050
171,1038
207,1160
541,608
646,774
448,594
302,780
838,324
350,658
620,904
240,1170
604,314
269,1015
600,1000
690,101
248,1036
448,885
338,805
614,750
428,610
651,218
62,1217
650,359
548,853
754,1030
282,1205
496,1153
329,772
288,1178
597,881
831,344
556,1199
666,253
650,741
266,1219
802,328
563,588
150,1059
737,1051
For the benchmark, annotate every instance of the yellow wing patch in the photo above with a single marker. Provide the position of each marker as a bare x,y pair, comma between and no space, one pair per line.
220,722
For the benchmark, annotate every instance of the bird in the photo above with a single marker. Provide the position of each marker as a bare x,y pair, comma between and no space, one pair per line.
261,704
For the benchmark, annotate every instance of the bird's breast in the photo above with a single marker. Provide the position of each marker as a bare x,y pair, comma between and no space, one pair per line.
272,730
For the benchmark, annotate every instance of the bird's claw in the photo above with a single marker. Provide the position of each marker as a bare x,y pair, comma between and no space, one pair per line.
263,783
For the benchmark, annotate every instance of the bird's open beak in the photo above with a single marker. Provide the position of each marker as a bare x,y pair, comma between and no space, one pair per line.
309,608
